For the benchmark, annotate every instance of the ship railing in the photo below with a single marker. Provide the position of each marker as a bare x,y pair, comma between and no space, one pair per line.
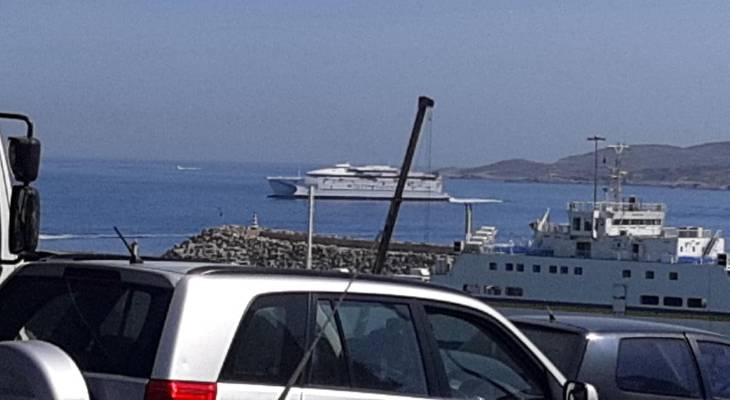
587,206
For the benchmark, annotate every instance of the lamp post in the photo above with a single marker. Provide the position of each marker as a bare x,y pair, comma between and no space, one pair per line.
595,139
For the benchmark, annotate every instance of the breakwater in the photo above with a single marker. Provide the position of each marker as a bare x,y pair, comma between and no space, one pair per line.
262,247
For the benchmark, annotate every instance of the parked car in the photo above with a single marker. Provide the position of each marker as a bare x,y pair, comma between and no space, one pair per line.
170,330
632,359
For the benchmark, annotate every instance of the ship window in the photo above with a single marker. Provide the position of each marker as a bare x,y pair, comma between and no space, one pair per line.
673,301
650,300
493,290
576,224
649,275
673,276
553,269
471,288
509,267
587,225
536,268
626,273
513,291
694,302
520,267
563,269
578,271
493,266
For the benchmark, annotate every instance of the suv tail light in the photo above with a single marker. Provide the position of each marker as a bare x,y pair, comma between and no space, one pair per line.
180,390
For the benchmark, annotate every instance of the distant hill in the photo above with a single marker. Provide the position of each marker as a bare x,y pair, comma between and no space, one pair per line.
701,166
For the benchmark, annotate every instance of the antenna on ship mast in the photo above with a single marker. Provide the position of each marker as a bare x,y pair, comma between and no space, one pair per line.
616,172
595,139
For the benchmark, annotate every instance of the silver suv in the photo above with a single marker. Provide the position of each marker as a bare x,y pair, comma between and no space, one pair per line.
171,330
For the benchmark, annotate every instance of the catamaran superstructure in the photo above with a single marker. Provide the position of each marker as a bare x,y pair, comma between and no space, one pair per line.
351,182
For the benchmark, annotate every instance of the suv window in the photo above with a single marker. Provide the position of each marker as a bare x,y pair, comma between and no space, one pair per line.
714,361
384,352
269,342
105,325
479,361
657,366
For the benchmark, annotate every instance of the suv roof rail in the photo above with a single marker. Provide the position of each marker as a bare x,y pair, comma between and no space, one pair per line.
255,270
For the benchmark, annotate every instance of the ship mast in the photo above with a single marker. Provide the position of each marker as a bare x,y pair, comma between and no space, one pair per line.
616,172
595,139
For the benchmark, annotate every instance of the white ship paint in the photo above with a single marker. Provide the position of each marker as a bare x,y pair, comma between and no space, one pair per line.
613,257
367,182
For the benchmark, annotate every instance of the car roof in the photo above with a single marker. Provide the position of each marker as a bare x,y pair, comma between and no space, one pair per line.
604,325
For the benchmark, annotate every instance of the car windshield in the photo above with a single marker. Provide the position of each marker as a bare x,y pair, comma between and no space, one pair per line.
105,325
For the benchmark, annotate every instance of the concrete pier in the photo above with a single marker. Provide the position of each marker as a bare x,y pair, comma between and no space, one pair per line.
287,249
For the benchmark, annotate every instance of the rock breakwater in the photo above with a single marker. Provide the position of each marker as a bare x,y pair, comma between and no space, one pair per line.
287,249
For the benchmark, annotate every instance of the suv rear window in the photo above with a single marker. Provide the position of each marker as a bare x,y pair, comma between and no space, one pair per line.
105,325
553,343
657,366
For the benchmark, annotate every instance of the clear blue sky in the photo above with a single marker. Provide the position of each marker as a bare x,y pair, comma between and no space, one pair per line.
326,81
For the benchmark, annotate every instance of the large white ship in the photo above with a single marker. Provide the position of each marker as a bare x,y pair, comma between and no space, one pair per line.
615,257
368,182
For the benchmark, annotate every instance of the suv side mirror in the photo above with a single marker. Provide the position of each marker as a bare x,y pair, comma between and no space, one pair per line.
573,390
39,370
24,157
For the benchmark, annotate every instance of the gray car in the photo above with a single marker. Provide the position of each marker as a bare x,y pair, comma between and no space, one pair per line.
631,359
172,330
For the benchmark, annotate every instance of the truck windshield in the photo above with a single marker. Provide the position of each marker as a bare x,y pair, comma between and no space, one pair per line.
105,325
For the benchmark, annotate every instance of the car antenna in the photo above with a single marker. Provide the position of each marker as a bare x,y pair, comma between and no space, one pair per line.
551,316
133,249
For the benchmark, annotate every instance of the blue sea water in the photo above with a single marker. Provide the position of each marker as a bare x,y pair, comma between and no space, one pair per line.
159,205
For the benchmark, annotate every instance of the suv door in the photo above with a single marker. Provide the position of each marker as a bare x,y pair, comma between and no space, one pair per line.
369,349
268,344
713,356
642,366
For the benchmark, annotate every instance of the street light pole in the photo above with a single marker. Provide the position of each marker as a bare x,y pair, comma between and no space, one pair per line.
595,139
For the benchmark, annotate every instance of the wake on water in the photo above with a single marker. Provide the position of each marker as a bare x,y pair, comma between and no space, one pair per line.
89,236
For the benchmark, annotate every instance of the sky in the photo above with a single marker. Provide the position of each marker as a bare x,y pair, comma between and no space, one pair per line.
330,81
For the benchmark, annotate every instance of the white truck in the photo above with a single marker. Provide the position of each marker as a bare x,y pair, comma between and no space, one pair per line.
19,201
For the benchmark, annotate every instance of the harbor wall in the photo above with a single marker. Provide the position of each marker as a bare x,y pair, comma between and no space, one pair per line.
255,246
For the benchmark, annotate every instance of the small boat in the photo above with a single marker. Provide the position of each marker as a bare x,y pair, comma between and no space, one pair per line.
182,168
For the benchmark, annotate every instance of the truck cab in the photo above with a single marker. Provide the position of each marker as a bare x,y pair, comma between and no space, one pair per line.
19,201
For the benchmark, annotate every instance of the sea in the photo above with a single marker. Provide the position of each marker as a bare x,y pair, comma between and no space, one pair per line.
160,204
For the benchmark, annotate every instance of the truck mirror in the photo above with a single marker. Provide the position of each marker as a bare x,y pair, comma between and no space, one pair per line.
24,156
39,370
25,208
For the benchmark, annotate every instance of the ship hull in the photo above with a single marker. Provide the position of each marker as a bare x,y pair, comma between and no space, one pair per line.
696,295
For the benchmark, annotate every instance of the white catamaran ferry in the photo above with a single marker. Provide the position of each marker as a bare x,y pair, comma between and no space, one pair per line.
368,182
610,257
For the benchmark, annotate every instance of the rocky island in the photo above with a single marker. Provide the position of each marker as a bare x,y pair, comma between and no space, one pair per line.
705,166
